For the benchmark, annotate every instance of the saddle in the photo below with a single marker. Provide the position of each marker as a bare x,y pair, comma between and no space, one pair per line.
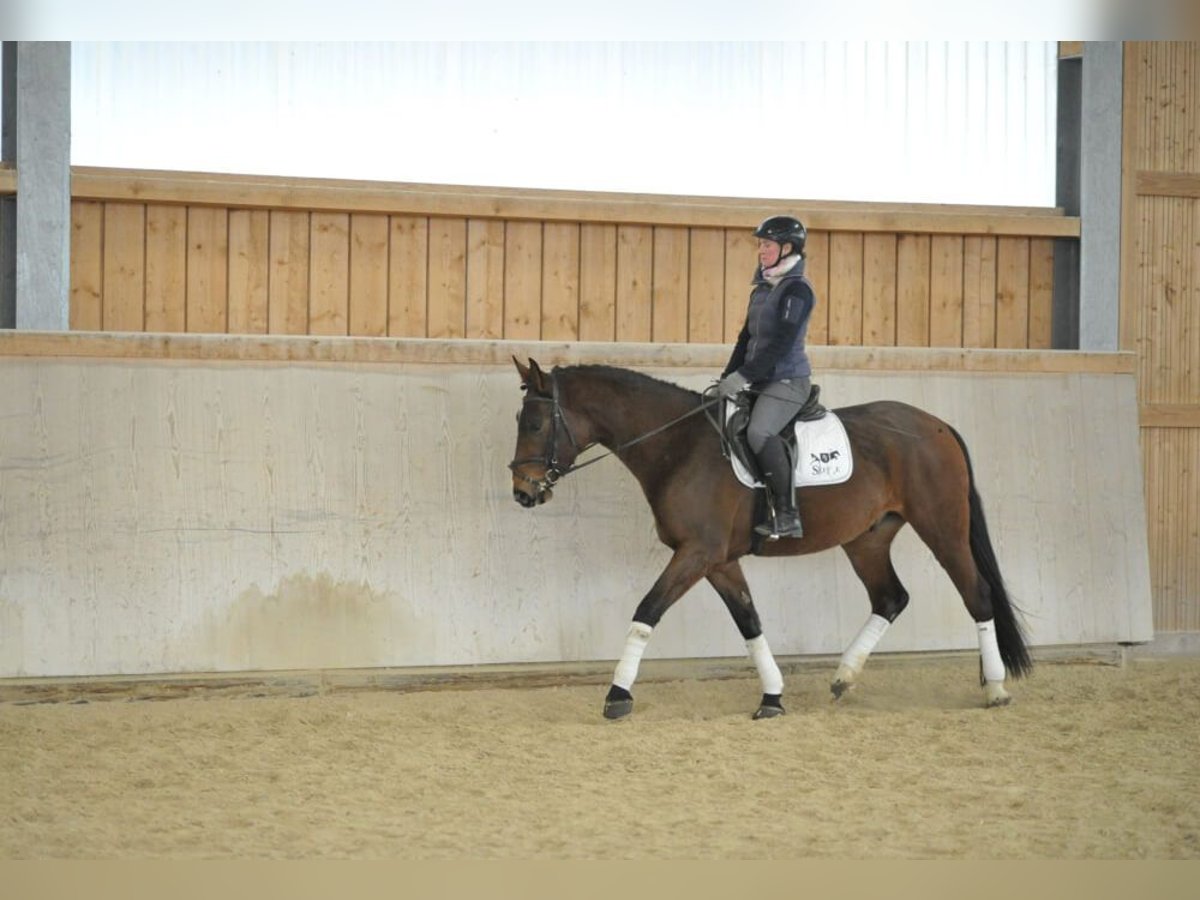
734,445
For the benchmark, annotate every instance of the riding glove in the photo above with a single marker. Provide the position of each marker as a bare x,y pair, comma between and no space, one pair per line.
732,384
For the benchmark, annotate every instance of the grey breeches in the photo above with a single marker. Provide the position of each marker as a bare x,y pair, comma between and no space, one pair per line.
775,406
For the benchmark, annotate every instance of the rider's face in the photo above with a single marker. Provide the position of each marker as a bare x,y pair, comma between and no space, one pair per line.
769,252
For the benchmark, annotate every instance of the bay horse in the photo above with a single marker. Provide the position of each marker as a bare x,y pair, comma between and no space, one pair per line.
909,467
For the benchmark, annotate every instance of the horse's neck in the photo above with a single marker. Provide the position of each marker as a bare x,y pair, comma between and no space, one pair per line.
622,411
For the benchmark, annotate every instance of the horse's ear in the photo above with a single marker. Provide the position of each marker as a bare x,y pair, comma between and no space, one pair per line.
532,377
523,371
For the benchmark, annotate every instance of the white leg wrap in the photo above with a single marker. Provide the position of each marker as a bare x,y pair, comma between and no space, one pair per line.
764,661
631,658
989,651
861,647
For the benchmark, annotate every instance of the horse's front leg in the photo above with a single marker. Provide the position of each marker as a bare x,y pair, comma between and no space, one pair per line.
730,582
684,570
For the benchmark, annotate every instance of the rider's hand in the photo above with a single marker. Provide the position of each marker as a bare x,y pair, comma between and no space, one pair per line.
732,384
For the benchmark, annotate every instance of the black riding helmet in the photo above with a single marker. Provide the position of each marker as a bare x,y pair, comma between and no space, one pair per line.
784,230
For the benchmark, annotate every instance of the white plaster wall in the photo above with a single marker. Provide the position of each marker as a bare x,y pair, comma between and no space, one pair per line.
160,516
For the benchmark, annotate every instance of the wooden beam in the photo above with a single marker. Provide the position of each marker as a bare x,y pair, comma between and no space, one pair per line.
1070,49
317,195
1167,184
8,180
278,348
1169,415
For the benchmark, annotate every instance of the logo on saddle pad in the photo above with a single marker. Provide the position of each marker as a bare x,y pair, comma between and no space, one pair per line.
821,450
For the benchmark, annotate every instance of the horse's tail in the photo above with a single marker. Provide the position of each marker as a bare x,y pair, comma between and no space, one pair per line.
1010,633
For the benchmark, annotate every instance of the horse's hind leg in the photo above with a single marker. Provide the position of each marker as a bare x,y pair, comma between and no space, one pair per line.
730,583
870,555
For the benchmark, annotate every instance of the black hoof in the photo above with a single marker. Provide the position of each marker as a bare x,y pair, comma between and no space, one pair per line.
770,707
618,704
838,688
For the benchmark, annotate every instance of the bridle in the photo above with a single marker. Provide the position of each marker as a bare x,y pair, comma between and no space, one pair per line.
558,421
549,458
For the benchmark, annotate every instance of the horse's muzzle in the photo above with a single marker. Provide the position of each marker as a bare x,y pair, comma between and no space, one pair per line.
530,499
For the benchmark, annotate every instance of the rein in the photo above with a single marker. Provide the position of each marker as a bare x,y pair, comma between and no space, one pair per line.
549,459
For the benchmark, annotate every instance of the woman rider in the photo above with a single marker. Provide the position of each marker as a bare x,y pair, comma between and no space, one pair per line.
770,361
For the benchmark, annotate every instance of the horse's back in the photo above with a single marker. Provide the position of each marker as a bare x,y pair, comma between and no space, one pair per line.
892,429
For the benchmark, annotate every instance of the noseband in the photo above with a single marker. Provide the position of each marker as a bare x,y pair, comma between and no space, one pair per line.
549,459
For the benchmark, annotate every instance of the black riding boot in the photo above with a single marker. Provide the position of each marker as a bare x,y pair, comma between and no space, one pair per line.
777,478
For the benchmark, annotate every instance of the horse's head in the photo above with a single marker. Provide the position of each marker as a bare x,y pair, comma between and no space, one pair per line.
546,448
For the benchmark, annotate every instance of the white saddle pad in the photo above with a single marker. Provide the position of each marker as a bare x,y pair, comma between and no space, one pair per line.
822,454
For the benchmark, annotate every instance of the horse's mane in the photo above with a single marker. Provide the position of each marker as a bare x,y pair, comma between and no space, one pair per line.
628,378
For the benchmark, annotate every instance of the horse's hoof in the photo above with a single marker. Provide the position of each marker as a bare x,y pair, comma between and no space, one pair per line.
839,687
994,695
769,707
617,709
618,703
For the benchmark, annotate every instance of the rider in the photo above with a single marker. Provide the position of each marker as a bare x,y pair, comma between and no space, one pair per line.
770,360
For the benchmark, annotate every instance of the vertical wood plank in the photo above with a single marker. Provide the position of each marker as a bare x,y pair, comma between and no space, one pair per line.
669,314
560,281
706,286
845,288
1012,292
523,280
368,314
249,270
879,290
124,284
166,267
1041,293
598,283
817,268
87,266
740,262
485,278
979,291
946,291
329,288
447,278
408,276
207,269
635,277
287,291
912,291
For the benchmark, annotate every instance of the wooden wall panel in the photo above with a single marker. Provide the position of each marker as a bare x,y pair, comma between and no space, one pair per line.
1160,309
845,289
287,293
523,281
87,267
249,271
329,280
946,266
124,273
368,306
979,291
913,290
560,282
1041,294
741,258
817,268
1012,292
408,276
485,278
669,294
706,286
447,278
879,287
598,283
635,279
207,269
166,268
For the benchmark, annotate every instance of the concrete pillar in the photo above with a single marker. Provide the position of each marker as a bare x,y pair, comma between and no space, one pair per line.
1100,196
35,234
